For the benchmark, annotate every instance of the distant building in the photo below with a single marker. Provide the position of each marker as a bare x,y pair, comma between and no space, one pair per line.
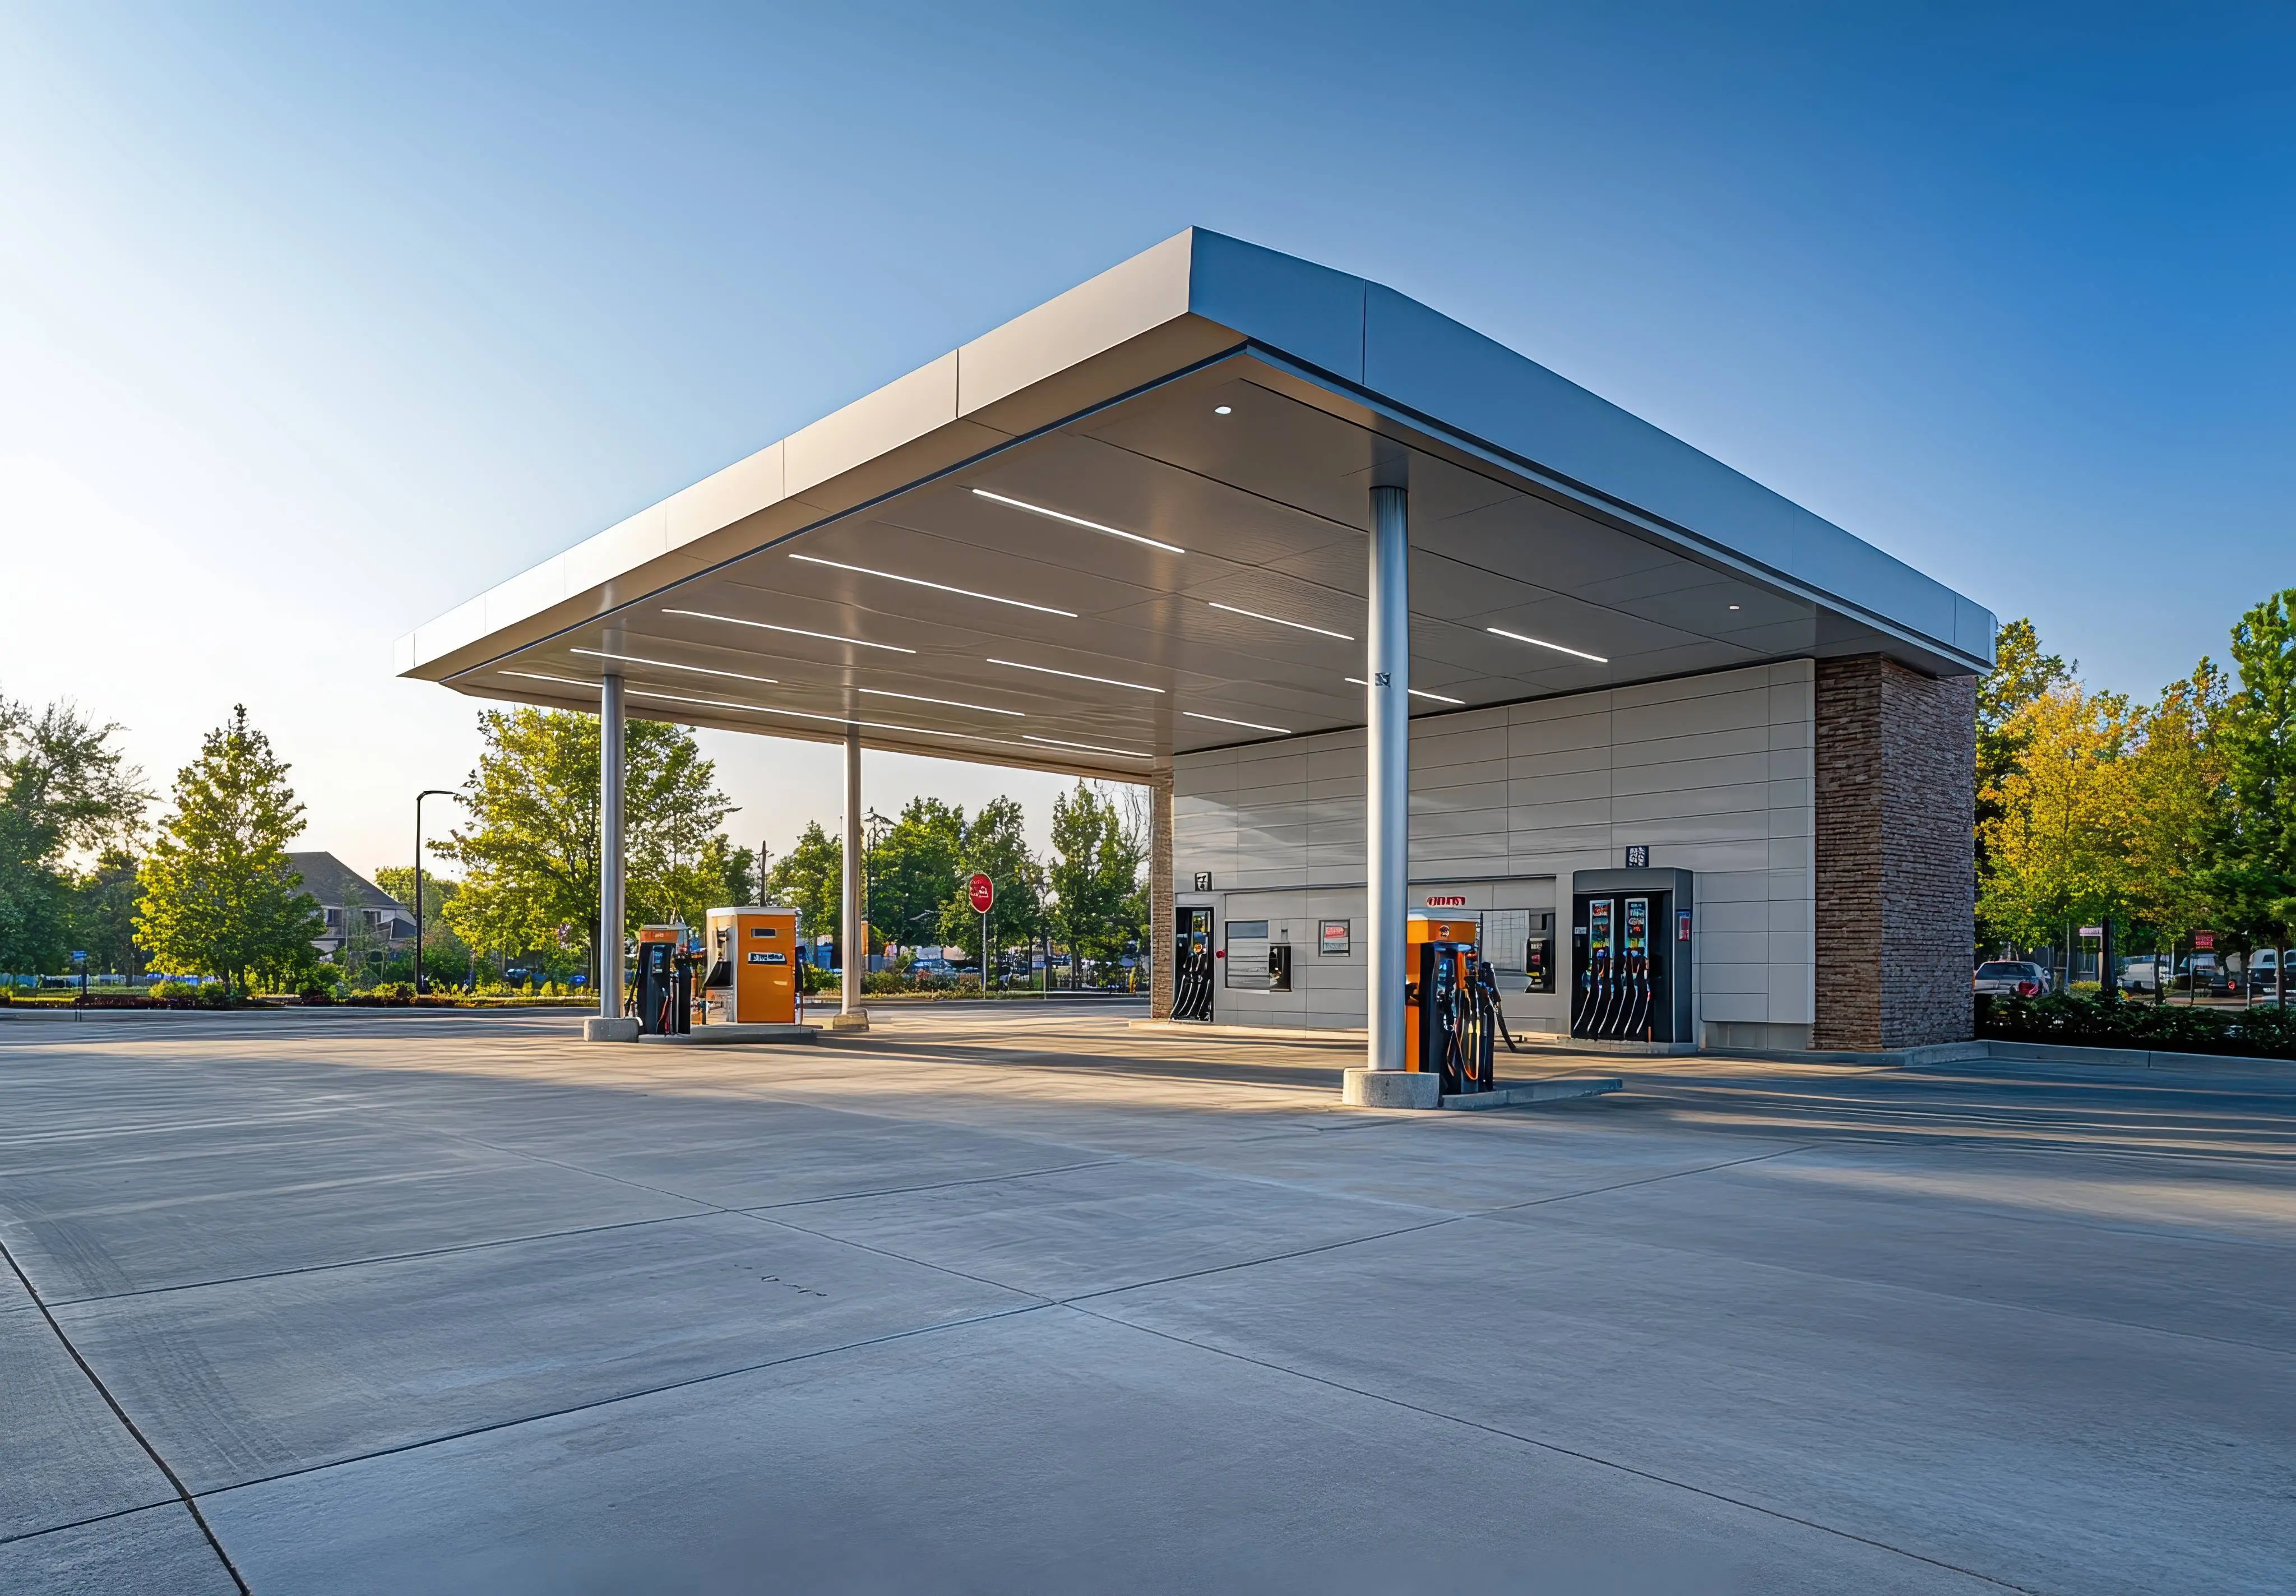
347,898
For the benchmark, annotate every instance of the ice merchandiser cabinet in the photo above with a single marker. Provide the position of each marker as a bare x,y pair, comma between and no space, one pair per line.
1630,969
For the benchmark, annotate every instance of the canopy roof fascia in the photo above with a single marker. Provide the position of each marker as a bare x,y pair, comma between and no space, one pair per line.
1341,343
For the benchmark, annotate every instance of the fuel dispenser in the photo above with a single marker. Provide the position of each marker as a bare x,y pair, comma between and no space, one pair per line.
665,983
1630,965
1191,965
1451,1015
752,978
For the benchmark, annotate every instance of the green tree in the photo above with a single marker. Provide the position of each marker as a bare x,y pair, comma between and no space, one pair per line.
219,895
2059,843
1094,877
446,955
104,914
532,842
997,844
2257,879
913,871
64,789
810,879
2176,794
2021,672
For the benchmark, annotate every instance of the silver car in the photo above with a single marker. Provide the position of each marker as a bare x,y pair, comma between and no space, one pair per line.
2010,978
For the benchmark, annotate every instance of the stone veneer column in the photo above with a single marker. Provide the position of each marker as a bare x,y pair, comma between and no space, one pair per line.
1161,942
1896,757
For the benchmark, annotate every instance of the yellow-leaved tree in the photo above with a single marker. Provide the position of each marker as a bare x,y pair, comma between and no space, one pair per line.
2059,838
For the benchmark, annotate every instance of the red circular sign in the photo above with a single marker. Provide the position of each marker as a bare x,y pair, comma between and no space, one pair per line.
983,892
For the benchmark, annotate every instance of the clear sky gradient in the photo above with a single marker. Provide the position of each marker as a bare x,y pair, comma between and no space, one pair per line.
315,321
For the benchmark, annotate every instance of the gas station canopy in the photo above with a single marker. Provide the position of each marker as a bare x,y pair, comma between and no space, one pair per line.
1132,524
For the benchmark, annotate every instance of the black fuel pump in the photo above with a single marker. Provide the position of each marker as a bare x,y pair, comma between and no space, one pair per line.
1630,955
1452,1016
665,989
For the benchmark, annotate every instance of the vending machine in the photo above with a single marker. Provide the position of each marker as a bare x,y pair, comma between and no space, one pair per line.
753,959
1630,955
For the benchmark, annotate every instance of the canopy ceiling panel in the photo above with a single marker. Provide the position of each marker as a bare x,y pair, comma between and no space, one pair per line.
1174,558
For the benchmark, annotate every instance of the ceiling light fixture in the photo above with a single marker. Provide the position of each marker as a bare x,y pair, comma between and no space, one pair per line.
1092,526
1105,681
1301,626
572,681
1542,643
657,696
954,703
1415,692
1222,409
1279,731
636,659
918,581
799,631
1734,606
1087,747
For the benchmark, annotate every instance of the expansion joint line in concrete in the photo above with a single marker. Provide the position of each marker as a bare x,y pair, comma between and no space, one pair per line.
1556,1448
638,1394
167,1471
1431,1224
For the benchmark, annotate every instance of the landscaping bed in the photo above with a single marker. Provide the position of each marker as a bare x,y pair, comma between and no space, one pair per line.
2076,1019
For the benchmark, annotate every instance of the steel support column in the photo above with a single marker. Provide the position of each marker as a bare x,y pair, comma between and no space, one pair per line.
1387,775
610,850
853,930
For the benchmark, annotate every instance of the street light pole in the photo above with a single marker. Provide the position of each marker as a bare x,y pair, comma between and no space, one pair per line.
421,982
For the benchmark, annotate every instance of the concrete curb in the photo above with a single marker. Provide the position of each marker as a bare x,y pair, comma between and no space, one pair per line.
1390,1089
2138,1058
1523,1094
733,1035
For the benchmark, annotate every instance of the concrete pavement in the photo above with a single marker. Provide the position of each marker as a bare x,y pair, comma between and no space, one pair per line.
1027,1301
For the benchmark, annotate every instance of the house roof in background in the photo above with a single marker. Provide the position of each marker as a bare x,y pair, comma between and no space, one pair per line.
336,886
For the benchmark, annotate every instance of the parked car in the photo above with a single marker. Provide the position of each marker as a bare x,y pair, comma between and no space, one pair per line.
2010,978
2141,973
2263,972
2204,973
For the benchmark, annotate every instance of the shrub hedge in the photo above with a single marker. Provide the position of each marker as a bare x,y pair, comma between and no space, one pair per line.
2085,1020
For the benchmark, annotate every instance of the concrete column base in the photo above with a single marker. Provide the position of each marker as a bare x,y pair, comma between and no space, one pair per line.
856,1019
1391,1089
599,1028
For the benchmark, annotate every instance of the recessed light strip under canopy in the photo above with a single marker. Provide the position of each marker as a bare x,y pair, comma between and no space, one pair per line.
1094,526
1105,681
954,703
1087,747
918,581
1296,626
795,631
1415,692
657,696
1542,643
1280,731
636,659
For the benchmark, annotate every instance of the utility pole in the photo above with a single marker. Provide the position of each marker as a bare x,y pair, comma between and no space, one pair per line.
422,982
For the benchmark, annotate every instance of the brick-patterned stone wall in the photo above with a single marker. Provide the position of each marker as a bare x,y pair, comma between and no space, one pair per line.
1896,795
1161,972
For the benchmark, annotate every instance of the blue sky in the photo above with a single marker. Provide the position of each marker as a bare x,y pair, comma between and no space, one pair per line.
313,322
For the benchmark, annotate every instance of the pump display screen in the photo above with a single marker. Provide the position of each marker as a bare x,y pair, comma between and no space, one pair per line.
1598,926
1637,929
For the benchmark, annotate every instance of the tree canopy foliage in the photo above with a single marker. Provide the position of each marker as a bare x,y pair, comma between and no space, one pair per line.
1094,875
531,844
2172,816
65,790
219,895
